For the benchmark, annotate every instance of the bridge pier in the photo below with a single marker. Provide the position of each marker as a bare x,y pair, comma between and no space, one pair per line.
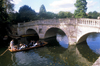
41,36
72,41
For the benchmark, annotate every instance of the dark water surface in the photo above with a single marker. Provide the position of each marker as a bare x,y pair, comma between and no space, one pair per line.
56,53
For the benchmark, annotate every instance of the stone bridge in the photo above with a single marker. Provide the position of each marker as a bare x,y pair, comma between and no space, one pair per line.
77,30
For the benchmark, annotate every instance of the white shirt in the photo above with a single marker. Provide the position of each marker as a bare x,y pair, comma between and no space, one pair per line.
11,43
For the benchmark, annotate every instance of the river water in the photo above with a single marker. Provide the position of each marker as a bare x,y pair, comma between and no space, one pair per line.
56,53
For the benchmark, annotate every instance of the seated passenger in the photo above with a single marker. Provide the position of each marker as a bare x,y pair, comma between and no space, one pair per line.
20,44
32,43
38,43
22,47
35,44
26,45
41,43
16,48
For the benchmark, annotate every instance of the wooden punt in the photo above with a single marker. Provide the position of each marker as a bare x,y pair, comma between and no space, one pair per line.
27,35
45,43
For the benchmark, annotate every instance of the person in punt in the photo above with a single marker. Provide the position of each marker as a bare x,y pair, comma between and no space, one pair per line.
35,44
22,46
38,43
41,43
12,44
26,46
31,43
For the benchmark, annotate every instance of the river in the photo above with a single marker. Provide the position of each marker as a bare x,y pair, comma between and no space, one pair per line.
56,53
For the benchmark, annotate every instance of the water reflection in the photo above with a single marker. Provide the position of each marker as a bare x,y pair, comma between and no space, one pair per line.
33,58
87,53
63,40
53,54
46,56
54,46
93,42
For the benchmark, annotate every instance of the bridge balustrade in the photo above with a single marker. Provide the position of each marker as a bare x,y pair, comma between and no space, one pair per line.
82,21
89,22
45,22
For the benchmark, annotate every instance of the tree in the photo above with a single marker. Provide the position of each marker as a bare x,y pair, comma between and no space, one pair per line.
51,15
80,12
26,13
9,7
42,12
3,20
14,17
90,15
93,14
69,15
63,14
3,13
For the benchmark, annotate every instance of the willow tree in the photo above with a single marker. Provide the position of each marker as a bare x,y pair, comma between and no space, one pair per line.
8,5
81,8
4,19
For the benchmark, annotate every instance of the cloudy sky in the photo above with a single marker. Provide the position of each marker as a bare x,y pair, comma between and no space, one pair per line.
56,5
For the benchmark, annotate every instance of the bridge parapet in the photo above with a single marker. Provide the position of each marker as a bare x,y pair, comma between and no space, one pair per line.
89,22
49,22
72,21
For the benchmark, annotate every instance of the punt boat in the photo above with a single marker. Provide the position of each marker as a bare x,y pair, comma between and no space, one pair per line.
44,43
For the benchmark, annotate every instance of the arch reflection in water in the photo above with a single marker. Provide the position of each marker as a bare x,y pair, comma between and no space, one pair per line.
39,57
93,42
63,40
51,56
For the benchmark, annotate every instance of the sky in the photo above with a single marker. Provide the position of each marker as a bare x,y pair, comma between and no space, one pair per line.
56,5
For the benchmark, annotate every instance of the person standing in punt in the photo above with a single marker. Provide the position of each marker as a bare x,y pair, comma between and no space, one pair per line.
12,44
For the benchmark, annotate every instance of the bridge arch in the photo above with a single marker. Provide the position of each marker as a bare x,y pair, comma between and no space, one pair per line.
53,31
32,32
84,37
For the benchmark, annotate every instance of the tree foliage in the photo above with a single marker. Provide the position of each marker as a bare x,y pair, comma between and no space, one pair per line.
26,13
14,17
42,12
3,13
63,14
93,14
4,18
42,9
9,7
80,12
51,15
